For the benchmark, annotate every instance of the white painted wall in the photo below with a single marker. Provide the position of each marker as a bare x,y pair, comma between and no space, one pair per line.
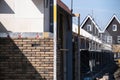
25,15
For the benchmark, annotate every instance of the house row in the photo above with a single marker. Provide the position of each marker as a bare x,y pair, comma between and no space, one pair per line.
107,39
113,30
95,48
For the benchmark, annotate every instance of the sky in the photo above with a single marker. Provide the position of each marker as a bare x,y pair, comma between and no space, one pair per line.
101,10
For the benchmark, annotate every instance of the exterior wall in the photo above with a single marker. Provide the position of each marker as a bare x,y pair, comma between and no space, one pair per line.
105,44
23,15
26,59
76,57
114,34
64,35
48,15
89,22
103,36
89,42
84,43
98,38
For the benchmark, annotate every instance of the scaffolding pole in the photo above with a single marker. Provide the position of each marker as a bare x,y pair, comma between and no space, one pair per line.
55,38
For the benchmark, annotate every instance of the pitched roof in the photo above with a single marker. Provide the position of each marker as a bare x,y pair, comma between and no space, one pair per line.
89,17
63,6
114,16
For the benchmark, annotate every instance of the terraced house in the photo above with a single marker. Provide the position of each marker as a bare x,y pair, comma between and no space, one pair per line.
113,28
92,28
94,50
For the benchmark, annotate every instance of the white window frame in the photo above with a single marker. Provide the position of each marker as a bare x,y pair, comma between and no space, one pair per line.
118,39
109,39
89,28
114,27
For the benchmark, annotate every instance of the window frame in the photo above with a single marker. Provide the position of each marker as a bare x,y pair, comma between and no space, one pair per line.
114,27
89,27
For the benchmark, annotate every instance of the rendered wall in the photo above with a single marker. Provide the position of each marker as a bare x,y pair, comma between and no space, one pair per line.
22,15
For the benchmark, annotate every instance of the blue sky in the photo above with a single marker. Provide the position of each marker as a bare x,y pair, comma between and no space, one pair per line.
102,10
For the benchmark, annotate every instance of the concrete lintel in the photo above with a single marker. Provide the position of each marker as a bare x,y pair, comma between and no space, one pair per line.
27,35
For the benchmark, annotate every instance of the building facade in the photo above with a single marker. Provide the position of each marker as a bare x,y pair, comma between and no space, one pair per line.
113,38
113,29
90,49
90,26
27,42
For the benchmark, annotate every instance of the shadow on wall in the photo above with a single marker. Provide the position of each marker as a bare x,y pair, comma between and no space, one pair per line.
2,28
14,64
4,8
39,4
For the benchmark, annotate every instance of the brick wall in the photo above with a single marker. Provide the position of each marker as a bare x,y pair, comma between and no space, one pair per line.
26,59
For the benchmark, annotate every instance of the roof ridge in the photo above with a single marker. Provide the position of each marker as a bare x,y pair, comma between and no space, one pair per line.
93,21
114,16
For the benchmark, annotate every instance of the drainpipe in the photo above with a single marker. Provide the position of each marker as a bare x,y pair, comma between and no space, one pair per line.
79,55
55,39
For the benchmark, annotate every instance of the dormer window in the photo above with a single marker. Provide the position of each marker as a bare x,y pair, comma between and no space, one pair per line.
89,28
114,27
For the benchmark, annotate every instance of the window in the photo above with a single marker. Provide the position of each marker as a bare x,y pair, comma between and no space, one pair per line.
114,27
89,28
109,39
118,39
